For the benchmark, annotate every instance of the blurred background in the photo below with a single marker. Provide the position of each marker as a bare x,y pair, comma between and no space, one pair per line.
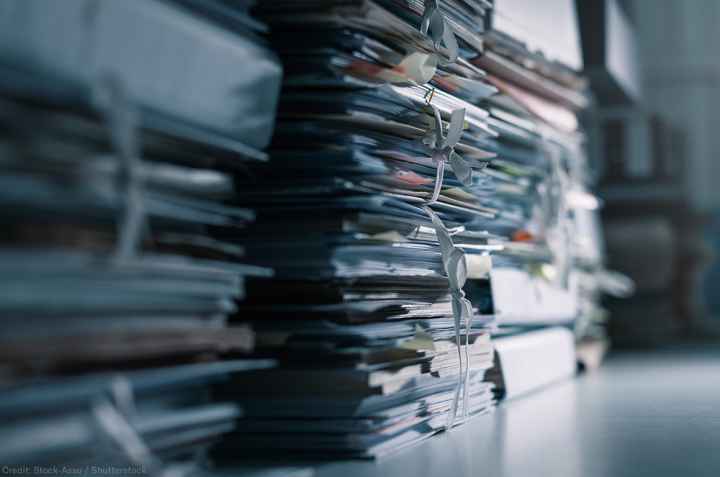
656,71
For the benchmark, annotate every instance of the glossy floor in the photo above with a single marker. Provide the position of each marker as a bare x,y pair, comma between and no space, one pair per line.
645,414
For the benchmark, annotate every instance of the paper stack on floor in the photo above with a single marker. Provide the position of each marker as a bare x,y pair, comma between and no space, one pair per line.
360,310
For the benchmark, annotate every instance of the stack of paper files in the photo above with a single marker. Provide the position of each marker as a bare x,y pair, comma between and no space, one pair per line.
550,271
351,211
102,244
106,422
183,280
117,173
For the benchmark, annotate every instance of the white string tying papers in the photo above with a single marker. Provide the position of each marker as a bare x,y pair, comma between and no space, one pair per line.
442,145
114,417
122,119
557,225
437,28
455,267
443,149
110,414
420,63
420,67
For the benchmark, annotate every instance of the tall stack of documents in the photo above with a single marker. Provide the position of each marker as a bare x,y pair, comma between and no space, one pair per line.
550,271
371,212
118,159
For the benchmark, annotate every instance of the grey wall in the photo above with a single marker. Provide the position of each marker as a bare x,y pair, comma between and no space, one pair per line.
679,44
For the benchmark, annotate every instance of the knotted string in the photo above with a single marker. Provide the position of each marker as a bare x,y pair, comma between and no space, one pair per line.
455,266
435,24
466,379
122,119
114,418
420,67
439,30
558,235
443,149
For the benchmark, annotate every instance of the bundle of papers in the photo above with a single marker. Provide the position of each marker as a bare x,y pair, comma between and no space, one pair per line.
109,262
105,422
550,271
117,285
377,345
536,186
